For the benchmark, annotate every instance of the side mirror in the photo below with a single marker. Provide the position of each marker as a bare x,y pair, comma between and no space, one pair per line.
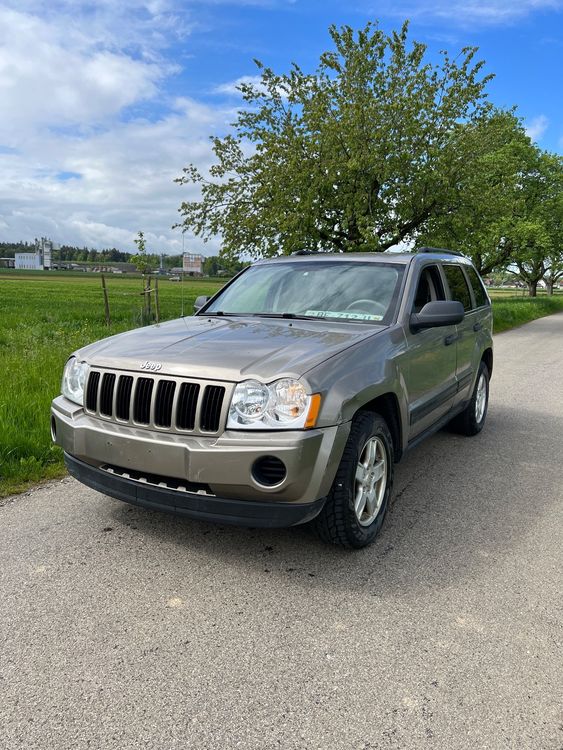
437,314
200,302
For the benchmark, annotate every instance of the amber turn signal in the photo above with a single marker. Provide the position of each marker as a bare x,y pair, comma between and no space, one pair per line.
313,410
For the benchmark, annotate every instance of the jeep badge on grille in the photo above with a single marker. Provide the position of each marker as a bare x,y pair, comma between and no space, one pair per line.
153,366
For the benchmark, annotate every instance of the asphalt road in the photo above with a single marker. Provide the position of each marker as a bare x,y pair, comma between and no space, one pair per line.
122,628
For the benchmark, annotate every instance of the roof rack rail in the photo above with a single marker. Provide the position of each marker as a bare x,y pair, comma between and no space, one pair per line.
439,250
305,252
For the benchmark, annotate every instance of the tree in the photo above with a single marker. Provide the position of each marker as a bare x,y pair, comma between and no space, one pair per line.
554,269
141,260
554,259
212,265
536,233
482,212
357,156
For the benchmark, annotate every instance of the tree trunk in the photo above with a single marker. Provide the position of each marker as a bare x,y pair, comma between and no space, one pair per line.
549,286
533,288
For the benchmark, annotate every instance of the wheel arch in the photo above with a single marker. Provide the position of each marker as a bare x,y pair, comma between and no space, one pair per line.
487,358
387,405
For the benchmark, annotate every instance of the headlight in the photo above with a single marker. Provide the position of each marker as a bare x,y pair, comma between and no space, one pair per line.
74,377
284,403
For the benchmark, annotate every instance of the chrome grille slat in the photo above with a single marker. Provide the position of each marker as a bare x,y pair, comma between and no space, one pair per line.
187,406
163,403
92,391
106,394
211,408
169,403
123,397
142,401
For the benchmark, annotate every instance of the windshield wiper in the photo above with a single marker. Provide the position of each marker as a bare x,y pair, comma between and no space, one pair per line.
287,315
284,315
220,313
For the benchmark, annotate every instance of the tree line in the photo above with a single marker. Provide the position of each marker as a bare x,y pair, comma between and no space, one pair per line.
382,148
212,266
68,253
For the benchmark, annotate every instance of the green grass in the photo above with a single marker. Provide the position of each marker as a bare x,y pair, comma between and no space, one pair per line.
46,316
509,312
43,318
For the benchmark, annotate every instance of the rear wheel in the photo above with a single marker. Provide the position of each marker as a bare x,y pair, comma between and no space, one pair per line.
358,500
472,418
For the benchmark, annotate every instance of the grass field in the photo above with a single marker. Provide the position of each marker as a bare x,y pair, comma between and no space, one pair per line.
44,317
511,310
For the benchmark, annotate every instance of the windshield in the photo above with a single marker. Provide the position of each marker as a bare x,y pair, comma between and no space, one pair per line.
352,291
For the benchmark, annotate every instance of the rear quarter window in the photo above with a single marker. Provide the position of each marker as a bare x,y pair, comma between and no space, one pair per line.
479,292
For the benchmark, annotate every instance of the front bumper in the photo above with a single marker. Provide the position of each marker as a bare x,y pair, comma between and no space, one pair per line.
223,464
193,505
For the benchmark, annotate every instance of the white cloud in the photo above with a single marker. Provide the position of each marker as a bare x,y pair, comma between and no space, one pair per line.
75,164
537,127
125,182
231,88
491,12
51,77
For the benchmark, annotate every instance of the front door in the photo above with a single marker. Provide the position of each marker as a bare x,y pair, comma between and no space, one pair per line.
430,374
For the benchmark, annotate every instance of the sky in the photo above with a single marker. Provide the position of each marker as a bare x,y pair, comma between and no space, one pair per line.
103,103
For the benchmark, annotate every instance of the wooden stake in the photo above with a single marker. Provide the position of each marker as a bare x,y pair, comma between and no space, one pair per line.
156,302
106,301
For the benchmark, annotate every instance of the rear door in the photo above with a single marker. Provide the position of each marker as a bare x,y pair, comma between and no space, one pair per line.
430,374
467,349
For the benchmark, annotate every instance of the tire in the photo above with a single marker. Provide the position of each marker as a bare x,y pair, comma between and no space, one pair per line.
471,420
369,444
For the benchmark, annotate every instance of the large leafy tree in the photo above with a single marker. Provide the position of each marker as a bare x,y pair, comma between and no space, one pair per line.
357,156
554,223
483,209
508,213
535,234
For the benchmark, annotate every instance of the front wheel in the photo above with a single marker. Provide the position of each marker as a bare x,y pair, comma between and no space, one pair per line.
358,500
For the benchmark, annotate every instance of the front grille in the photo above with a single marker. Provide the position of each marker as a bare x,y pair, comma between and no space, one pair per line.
142,403
163,403
187,405
123,399
211,407
106,394
92,391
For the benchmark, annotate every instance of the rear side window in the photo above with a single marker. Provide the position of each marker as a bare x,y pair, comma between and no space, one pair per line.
458,286
477,286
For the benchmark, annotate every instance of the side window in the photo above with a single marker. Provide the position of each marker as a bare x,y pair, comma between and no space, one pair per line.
436,282
477,286
458,286
429,288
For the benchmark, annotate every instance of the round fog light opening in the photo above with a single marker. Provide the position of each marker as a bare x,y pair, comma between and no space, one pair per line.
269,471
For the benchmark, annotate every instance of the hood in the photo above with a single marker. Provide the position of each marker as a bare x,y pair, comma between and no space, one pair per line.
230,349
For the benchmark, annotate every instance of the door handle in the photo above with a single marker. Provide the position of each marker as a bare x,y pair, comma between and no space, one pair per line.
477,327
451,339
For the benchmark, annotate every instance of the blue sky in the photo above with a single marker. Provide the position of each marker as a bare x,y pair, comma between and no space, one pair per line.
104,102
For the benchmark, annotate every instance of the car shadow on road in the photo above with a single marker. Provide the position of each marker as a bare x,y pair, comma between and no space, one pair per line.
460,505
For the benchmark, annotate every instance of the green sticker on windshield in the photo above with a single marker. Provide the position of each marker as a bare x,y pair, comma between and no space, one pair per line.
347,314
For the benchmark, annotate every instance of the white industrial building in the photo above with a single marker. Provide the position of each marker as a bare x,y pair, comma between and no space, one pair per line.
41,259
193,264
